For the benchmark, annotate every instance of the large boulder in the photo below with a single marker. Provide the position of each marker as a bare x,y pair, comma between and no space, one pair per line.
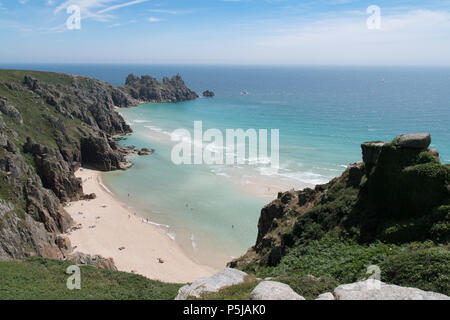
413,141
272,290
225,278
372,289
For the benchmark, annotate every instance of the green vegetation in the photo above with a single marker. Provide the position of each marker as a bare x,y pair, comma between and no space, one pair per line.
236,292
427,269
38,278
396,216
343,260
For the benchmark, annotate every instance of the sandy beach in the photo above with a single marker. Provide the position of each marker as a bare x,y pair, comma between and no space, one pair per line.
110,229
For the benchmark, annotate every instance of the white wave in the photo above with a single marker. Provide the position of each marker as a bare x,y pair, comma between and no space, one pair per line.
100,181
140,121
171,235
153,128
268,171
145,220
219,173
306,177
194,244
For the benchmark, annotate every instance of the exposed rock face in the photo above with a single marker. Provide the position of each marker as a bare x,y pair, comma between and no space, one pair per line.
371,151
208,94
270,212
97,151
95,261
413,141
87,99
64,244
10,110
372,289
355,174
149,89
272,290
225,278
56,173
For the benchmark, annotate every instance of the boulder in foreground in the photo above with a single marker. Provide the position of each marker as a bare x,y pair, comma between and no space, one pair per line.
326,296
372,289
225,278
273,290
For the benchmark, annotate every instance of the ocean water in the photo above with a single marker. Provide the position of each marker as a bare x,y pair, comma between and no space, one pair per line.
322,113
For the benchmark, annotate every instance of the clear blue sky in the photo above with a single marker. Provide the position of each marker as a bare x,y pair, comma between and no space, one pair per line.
306,32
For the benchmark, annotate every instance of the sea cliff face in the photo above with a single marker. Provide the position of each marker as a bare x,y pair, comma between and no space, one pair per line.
392,210
50,125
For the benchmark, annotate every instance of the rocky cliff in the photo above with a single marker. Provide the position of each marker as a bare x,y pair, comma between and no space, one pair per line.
50,125
149,89
392,209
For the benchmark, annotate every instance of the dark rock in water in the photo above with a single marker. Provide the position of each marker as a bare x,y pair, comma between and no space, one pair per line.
208,94
145,151
413,141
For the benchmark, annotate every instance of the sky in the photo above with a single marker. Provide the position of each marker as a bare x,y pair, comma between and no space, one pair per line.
243,32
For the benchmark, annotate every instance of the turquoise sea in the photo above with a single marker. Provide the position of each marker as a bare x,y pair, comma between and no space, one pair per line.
323,114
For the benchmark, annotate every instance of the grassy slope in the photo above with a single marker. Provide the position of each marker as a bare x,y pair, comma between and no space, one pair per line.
38,278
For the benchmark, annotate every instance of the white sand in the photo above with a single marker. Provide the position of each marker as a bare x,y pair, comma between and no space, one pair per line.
117,227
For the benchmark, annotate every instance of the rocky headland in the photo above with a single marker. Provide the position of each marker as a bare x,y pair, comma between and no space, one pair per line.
51,124
391,210
149,89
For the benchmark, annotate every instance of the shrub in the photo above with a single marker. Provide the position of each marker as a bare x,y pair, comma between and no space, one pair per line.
426,269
